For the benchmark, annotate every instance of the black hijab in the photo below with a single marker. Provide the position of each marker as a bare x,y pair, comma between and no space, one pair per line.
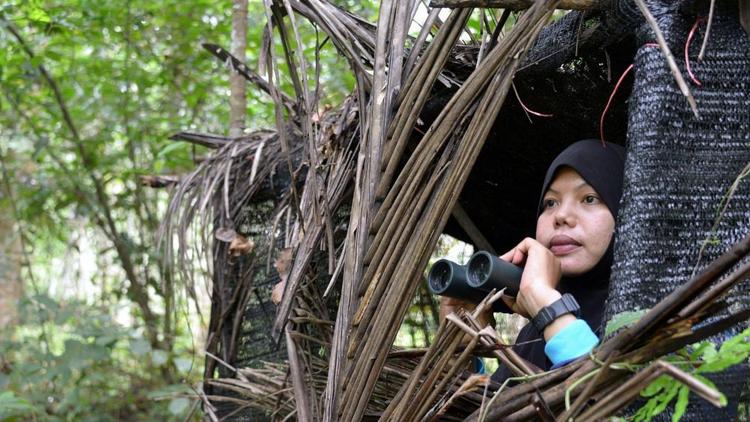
602,167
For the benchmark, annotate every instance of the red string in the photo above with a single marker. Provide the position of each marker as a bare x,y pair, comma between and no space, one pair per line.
528,110
690,37
609,102
614,91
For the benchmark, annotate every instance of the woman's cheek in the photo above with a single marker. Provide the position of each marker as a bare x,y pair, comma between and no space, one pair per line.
603,231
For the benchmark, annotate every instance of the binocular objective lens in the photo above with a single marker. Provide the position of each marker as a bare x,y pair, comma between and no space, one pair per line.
440,275
479,269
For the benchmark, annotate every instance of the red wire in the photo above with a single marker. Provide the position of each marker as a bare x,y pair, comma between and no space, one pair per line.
614,91
698,21
609,102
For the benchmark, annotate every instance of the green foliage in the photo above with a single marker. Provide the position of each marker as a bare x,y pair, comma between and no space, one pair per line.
622,320
13,408
700,358
72,361
105,335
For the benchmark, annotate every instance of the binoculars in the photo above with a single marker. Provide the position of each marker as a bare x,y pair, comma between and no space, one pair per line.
473,281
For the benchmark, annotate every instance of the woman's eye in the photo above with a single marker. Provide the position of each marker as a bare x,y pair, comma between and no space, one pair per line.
591,199
548,203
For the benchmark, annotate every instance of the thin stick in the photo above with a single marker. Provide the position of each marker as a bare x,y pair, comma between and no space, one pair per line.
670,58
708,30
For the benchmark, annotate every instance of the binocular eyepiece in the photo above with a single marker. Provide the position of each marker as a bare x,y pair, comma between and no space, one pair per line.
473,281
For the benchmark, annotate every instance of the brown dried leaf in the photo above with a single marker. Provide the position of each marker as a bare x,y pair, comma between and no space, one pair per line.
283,262
225,234
474,381
241,246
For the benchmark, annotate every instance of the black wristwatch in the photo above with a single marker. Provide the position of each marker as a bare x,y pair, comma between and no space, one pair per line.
565,305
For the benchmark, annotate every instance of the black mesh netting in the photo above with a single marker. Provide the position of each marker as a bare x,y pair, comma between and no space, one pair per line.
679,170
254,344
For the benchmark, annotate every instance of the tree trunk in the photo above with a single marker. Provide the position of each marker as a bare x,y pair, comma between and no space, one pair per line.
237,99
11,288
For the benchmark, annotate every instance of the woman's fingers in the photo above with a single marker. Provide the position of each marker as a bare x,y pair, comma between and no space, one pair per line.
508,256
519,254
540,276
513,305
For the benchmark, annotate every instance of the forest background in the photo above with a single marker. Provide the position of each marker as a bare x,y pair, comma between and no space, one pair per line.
92,327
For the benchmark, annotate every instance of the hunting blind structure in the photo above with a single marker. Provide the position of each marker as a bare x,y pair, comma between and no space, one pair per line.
450,130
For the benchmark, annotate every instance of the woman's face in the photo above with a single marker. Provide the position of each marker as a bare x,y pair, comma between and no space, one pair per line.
575,224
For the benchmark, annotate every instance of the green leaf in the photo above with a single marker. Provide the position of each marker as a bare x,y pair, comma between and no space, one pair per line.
169,390
732,352
681,405
107,340
656,386
139,346
666,397
704,350
12,406
623,319
37,14
167,150
183,364
178,406
63,315
159,357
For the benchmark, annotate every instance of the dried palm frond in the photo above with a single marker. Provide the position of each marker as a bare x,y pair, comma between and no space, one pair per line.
368,168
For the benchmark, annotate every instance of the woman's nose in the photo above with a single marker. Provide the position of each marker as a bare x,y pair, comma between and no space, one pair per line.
565,215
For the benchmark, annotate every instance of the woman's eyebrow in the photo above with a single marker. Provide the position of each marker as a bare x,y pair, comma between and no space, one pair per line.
578,187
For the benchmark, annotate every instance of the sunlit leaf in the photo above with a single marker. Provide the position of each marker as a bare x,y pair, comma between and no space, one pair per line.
139,346
179,405
159,357
37,14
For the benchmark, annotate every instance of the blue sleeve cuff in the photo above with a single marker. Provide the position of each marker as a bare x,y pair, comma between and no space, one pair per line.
570,343
479,365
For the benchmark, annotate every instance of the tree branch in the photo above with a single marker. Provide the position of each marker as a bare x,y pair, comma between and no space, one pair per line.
241,68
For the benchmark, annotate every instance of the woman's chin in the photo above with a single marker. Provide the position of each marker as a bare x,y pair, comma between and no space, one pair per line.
572,267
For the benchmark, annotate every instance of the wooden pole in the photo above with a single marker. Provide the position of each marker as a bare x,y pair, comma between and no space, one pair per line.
237,99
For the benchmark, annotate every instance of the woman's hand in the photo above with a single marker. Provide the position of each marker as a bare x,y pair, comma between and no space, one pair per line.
541,274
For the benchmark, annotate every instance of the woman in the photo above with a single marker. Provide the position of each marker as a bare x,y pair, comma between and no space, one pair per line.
570,257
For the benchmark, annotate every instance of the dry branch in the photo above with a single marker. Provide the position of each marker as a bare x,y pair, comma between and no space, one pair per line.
522,4
206,140
476,103
238,66
669,57
350,371
159,181
664,329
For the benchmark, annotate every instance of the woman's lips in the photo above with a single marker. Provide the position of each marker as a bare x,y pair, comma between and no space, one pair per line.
563,245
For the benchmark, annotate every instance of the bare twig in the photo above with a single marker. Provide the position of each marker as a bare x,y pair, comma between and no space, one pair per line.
669,57
710,22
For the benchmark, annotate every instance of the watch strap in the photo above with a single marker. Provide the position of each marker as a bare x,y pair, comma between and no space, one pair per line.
565,305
